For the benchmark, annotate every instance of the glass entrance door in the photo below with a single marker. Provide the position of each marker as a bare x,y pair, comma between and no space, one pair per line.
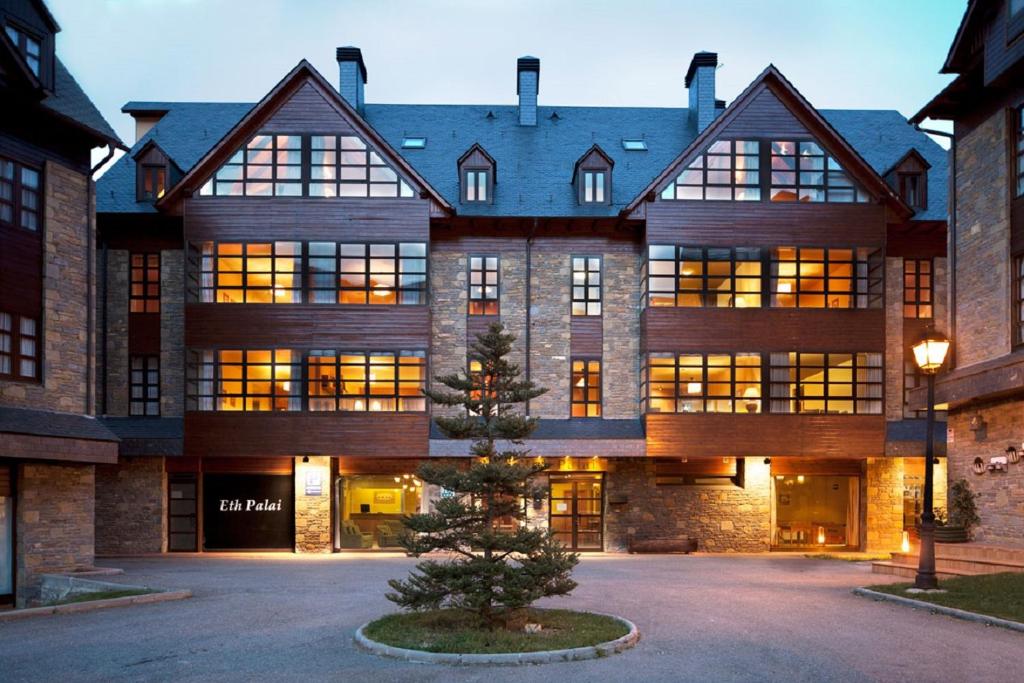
814,511
576,513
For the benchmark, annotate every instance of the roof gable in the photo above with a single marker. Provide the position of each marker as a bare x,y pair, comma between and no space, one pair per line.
912,160
796,117
588,160
303,98
477,155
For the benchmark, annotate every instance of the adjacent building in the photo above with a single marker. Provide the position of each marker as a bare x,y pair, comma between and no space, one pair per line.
719,298
984,385
49,437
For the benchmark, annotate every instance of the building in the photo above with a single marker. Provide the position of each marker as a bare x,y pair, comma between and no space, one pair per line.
49,437
718,297
984,383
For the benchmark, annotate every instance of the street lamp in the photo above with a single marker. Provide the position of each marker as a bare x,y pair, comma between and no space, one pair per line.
929,354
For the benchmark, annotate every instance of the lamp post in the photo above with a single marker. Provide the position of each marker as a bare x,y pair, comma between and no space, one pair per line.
929,354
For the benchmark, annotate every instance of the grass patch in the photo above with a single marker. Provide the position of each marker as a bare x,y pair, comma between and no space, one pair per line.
99,595
454,631
997,595
849,556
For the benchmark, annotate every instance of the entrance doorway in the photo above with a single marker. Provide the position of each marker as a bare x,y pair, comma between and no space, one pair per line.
816,511
576,513
370,509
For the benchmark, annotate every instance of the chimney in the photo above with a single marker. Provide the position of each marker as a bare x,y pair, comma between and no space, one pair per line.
700,80
527,82
352,76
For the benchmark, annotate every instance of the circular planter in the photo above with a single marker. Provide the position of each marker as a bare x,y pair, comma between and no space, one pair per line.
505,658
950,534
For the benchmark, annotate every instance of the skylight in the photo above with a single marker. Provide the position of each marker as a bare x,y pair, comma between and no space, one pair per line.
414,143
634,145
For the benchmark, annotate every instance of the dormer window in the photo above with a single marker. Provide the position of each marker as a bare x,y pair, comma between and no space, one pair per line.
477,175
593,188
154,182
592,176
909,178
912,189
476,183
28,45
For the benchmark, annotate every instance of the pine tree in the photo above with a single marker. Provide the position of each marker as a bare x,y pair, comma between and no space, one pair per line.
491,571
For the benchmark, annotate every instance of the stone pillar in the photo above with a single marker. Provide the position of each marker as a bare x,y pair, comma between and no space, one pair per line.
116,369
894,351
448,317
621,336
172,333
884,504
131,507
313,505
549,332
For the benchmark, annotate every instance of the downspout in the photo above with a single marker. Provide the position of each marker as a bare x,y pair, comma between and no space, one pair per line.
90,313
529,268
951,242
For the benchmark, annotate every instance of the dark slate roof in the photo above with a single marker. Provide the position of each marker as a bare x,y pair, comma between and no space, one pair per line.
535,164
154,436
576,429
46,423
70,101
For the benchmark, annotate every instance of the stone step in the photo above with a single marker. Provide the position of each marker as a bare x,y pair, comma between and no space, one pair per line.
976,565
981,551
909,571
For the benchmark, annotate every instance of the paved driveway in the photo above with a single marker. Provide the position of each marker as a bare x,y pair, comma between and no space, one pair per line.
702,618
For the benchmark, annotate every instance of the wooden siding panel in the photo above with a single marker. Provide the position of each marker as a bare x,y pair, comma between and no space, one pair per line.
32,447
306,326
765,435
765,117
21,271
766,329
307,112
392,435
586,336
793,466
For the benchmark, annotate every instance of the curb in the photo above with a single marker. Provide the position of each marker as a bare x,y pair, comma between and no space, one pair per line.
90,605
574,654
941,609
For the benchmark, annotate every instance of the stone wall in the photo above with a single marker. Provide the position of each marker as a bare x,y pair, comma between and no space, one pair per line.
313,512
621,336
894,351
66,287
513,302
116,377
722,519
448,317
172,333
549,332
884,494
54,525
1000,495
983,242
131,507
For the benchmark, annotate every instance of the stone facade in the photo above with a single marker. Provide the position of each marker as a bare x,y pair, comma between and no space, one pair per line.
131,507
722,519
550,364
115,312
621,336
313,510
448,299
983,243
54,525
513,302
67,257
1000,494
894,351
884,529
172,333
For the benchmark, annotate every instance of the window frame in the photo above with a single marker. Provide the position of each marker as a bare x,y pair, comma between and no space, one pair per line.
912,294
485,309
1014,22
366,396
705,294
829,167
919,199
588,182
14,355
147,300
156,175
587,300
1017,164
867,277
21,43
1017,278
701,166
855,398
739,404
586,374
17,202
199,360
475,173
150,364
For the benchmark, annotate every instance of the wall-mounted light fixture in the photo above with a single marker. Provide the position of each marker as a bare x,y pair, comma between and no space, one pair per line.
1012,454
977,422
305,458
821,535
767,461
905,545
978,466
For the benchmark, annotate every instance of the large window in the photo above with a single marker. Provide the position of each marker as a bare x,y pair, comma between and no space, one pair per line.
826,278
144,386
826,383
306,165
586,285
19,195
696,276
728,170
586,387
802,171
367,273
1019,155
1018,300
253,272
375,381
145,285
702,383
483,285
28,45
917,288
245,380
19,347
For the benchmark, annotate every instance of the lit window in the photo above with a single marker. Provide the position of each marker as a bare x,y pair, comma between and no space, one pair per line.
708,277
245,380
586,285
826,383
19,195
367,273
260,273
29,47
19,347
483,285
802,171
917,288
586,388
912,189
634,145
702,383
728,170
154,181
414,143
594,187
826,278
379,381
475,183
145,285
144,386
482,382
345,166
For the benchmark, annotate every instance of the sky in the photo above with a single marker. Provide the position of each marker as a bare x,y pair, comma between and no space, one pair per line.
856,54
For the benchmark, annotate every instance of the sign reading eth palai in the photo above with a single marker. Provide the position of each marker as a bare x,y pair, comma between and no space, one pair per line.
250,505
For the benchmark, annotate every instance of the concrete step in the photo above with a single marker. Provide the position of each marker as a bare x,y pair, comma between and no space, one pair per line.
909,571
981,551
970,558
977,566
